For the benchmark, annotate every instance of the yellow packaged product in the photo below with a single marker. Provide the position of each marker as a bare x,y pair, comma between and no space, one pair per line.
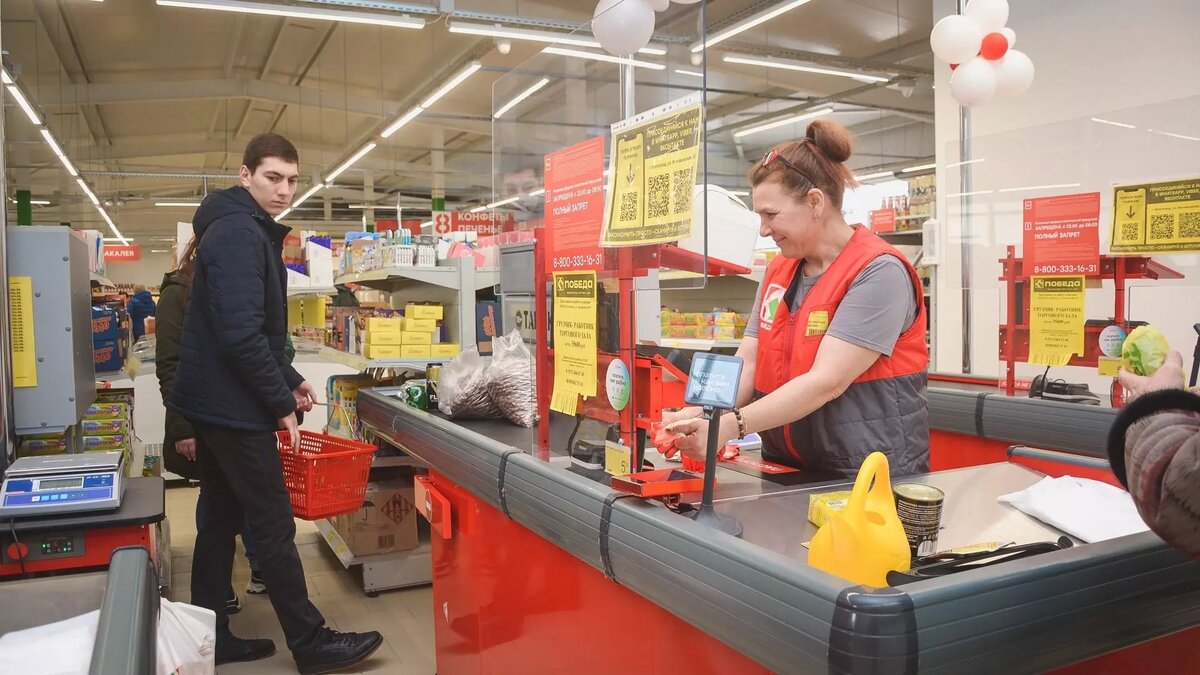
415,338
413,311
380,324
415,351
420,325
386,338
820,505
382,351
443,350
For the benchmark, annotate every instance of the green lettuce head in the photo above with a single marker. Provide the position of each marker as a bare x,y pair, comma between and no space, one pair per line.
1145,350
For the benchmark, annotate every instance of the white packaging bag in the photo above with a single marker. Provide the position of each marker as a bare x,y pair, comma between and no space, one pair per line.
1085,509
187,639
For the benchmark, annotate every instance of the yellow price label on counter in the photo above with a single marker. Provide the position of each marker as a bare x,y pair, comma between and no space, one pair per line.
617,459
1109,366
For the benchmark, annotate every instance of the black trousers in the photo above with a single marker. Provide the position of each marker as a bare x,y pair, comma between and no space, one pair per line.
241,481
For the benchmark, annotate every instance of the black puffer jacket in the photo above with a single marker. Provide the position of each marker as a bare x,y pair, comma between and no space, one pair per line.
232,370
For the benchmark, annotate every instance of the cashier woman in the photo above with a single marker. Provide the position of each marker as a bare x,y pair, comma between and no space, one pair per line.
834,353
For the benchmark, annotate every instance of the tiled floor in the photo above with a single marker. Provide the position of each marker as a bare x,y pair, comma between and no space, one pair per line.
404,617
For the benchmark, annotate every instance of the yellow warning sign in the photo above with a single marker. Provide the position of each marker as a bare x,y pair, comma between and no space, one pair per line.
24,344
1157,217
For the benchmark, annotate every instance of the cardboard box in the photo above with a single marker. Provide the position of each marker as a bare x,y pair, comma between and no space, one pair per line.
388,338
386,523
488,325
111,427
821,505
443,350
413,311
376,324
415,351
106,324
107,355
382,351
414,338
420,325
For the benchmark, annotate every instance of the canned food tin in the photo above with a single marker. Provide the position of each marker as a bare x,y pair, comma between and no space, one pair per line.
919,507
432,375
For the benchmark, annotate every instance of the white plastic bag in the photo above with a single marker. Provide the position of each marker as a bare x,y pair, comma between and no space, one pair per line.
59,648
510,379
462,388
187,639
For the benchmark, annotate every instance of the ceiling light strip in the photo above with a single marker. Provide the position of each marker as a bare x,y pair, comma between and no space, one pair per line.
454,82
781,122
922,167
533,89
512,33
606,58
362,152
746,24
314,13
786,65
405,119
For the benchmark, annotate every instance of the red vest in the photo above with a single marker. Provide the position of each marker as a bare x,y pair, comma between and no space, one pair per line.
788,342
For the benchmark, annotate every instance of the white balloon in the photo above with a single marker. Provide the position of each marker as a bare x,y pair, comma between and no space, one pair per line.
1010,35
974,82
991,15
623,26
660,5
956,39
686,2
1014,73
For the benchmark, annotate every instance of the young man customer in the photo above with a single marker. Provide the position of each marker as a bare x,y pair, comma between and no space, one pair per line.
236,388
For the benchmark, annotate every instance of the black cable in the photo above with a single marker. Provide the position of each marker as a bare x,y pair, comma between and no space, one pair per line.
12,530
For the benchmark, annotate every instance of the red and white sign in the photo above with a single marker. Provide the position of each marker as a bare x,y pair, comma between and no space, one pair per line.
1062,235
883,220
574,179
484,222
131,253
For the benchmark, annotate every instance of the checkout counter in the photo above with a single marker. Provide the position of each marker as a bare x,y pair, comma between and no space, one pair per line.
541,565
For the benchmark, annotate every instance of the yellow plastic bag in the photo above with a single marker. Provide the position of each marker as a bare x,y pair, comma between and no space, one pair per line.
866,541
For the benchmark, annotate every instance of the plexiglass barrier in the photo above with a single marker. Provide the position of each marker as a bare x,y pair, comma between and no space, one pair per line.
1047,191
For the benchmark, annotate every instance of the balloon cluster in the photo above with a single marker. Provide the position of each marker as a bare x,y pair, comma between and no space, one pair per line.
978,47
624,26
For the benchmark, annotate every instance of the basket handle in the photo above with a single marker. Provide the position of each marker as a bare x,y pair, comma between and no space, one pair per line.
875,468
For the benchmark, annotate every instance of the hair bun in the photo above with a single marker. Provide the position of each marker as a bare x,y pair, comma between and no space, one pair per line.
832,139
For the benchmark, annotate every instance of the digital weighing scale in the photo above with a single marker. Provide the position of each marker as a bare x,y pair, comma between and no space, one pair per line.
45,486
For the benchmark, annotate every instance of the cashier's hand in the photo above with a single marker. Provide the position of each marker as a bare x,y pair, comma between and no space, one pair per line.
289,425
1169,376
693,435
305,396
187,448
689,413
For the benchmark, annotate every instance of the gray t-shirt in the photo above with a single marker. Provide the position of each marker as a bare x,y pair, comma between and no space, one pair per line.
880,304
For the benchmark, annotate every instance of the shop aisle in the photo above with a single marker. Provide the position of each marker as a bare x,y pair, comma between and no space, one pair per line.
403,617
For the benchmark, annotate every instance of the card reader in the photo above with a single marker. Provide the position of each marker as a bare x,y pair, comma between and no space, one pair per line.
55,484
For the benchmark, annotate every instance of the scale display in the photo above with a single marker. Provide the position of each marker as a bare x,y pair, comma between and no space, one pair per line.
41,486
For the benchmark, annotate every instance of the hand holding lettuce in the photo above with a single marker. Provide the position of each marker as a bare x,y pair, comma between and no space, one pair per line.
1149,363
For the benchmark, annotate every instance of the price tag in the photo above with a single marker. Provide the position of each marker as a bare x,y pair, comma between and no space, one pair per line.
1109,366
565,402
617,459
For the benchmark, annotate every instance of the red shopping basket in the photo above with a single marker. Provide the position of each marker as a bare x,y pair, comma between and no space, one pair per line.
327,477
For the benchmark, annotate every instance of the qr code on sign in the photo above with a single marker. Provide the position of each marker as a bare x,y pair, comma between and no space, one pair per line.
629,206
1162,226
1189,225
658,195
681,186
1131,231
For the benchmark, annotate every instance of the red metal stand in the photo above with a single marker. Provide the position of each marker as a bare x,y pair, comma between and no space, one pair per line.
1014,332
651,392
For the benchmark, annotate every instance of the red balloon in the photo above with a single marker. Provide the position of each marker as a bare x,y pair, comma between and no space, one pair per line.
994,47
953,66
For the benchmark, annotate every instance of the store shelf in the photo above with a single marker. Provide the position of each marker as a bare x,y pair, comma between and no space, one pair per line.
755,275
908,238
486,277
306,292
385,571
362,363
103,281
446,277
699,345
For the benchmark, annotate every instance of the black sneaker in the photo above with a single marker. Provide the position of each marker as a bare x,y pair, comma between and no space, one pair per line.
234,604
233,649
334,651
256,585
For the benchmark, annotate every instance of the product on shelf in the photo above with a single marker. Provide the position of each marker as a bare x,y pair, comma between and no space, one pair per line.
381,351
416,351
416,338
381,338
420,325
488,325
443,350
386,523
377,324
424,311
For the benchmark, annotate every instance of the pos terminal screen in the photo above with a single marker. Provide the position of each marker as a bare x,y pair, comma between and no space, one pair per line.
713,381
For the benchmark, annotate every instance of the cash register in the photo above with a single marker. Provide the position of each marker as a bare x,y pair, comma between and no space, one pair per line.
58,484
